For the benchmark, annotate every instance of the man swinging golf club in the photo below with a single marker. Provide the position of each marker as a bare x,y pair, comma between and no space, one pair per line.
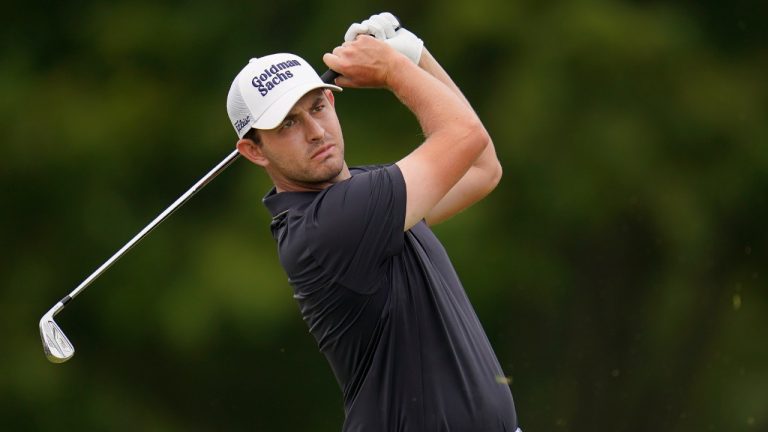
373,283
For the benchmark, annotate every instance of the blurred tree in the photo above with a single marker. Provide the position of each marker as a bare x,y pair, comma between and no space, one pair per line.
617,268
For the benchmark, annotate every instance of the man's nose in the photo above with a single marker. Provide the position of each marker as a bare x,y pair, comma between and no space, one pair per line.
314,130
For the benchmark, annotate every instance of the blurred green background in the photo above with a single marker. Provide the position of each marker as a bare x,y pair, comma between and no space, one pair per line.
619,268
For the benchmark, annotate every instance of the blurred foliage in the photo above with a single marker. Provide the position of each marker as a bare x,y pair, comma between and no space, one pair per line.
617,268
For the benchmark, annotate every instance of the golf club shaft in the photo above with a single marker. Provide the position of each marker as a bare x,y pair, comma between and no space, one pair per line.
221,166
327,77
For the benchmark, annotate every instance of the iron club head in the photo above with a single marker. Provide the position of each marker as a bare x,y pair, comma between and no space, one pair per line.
58,348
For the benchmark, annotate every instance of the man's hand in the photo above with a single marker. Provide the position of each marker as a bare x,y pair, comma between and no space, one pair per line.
364,62
384,26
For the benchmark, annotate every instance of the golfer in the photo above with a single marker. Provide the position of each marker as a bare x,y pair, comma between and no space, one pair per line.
373,283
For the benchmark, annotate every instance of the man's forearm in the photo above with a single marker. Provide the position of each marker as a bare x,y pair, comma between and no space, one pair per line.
438,105
487,159
429,64
485,172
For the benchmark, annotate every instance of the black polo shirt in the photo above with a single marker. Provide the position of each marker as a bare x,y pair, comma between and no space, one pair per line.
388,310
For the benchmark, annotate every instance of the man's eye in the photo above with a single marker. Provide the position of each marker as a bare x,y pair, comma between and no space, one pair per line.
319,107
287,123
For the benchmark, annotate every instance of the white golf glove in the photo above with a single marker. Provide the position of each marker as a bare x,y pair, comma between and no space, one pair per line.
382,26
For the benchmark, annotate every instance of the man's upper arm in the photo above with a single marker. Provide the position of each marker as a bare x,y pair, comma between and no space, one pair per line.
476,184
430,172
356,224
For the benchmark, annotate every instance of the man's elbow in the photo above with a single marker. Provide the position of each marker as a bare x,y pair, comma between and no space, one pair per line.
473,135
488,161
494,174
491,164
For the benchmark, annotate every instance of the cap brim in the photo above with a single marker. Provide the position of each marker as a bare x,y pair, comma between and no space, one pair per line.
275,114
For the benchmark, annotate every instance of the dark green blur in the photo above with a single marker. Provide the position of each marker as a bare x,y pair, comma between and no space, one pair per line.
620,267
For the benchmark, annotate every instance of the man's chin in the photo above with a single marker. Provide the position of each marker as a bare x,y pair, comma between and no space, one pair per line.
332,176
325,177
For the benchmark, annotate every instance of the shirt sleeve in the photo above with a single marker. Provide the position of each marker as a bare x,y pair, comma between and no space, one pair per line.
357,225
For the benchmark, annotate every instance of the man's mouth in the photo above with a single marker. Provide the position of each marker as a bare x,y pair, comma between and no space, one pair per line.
321,151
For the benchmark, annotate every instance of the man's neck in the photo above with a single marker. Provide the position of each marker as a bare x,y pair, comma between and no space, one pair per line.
294,186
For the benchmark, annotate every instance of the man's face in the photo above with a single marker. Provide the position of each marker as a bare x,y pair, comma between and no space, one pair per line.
306,151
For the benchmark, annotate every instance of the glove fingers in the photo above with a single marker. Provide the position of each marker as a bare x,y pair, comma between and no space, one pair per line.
384,24
391,18
374,29
355,30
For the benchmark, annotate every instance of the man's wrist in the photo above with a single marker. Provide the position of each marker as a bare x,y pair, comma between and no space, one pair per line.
424,58
400,69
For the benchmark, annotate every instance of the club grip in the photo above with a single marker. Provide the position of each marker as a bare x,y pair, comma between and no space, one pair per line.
329,76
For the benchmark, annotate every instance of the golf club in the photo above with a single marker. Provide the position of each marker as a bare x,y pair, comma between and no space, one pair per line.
58,348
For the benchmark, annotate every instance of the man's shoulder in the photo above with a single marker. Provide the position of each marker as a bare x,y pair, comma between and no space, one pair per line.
367,168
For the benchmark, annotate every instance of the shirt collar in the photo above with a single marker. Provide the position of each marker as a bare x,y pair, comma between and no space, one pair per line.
277,203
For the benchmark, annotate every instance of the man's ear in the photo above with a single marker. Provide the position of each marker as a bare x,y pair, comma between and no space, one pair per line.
330,96
251,151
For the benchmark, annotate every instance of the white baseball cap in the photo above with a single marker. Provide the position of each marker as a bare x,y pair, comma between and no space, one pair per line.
266,89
